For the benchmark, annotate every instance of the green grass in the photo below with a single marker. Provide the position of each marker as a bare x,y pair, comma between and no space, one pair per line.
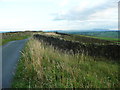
42,66
4,41
107,34
7,37
103,38
90,39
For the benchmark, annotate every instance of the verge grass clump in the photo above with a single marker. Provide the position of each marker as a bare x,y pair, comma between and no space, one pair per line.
42,66
7,37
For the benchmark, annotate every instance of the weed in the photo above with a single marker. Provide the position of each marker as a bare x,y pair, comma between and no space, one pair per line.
42,66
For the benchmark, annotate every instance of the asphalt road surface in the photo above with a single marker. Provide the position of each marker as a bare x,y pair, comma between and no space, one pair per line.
10,57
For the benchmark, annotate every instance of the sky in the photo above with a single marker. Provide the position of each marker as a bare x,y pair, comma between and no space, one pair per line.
58,14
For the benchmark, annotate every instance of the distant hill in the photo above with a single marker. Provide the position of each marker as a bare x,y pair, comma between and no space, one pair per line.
97,33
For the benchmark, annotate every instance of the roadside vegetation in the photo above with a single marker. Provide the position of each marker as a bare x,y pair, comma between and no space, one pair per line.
7,37
43,66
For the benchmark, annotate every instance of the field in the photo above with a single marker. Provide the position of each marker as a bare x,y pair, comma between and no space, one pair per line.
87,39
45,65
104,35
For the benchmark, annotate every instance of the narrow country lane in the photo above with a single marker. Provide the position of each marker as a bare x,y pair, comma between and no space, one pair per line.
10,57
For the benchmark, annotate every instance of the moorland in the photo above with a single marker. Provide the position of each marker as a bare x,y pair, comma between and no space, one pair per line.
62,60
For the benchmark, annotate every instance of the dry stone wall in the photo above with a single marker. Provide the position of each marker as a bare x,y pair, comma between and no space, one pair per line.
96,50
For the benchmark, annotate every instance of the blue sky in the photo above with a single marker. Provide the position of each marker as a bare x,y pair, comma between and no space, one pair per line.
58,14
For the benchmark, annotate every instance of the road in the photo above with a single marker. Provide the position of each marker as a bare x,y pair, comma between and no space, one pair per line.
10,57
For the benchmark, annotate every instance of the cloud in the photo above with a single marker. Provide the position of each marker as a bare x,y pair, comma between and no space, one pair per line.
88,15
58,14
26,0
109,14
64,3
87,9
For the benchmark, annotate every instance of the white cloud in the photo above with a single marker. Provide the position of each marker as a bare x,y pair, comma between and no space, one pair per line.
26,0
68,14
109,14
86,9
91,14
64,3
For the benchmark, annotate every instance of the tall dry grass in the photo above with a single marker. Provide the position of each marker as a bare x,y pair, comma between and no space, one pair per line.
43,66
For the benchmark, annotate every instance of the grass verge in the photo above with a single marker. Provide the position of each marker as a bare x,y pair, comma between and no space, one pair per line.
42,66
4,41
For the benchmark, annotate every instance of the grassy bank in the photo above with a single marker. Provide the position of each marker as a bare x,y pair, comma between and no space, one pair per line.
4,41
7,37
42,66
